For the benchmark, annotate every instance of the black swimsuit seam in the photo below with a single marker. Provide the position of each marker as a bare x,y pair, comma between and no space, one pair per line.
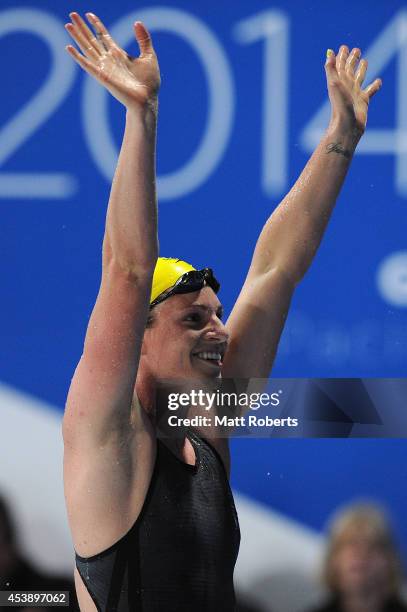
226,479
95,601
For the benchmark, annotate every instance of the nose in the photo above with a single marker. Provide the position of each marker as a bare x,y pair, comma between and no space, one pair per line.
216,330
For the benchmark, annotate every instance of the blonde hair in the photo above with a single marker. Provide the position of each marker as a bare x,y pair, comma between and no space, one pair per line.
366,520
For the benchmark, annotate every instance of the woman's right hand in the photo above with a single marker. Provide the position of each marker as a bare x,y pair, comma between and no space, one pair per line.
134,81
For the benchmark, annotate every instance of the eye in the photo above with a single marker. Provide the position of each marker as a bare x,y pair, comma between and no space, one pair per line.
193,317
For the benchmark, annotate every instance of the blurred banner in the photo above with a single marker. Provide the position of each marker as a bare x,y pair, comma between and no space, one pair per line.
242,106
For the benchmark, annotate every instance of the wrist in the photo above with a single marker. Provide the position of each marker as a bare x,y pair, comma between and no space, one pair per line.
342,138
344,131
146,112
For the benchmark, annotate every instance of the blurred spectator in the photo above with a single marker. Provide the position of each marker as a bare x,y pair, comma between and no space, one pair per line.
362,567
17,574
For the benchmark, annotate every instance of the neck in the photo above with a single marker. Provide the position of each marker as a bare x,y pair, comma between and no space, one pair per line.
153,397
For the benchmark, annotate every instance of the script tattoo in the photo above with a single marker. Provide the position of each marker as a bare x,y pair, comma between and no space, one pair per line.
335,147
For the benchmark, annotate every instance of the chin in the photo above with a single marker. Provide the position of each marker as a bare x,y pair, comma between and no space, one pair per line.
206,370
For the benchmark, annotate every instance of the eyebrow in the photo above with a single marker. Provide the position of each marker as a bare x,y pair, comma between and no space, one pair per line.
219,309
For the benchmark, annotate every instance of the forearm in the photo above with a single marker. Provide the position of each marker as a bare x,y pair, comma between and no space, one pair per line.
294,231
131,220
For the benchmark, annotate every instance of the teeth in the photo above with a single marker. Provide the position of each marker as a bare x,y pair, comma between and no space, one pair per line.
207,355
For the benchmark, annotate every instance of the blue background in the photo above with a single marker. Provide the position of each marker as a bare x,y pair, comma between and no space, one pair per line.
340,324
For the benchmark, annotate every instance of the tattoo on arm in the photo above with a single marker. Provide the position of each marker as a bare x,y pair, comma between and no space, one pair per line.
335,147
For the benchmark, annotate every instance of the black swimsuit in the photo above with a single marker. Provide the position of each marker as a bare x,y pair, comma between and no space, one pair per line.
180,553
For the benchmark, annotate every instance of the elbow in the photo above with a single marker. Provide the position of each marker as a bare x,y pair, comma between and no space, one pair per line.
139,273
289,277
134,262
140,268
295,275
295,265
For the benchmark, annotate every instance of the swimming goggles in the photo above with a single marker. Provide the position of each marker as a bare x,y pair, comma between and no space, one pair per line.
189,282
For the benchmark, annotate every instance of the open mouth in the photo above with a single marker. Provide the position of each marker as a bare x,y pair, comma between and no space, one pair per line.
211,357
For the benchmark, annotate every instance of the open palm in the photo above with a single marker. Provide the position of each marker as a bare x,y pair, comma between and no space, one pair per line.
132,80
345,75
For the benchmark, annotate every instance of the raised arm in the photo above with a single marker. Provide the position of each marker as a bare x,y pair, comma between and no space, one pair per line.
291,236
100,396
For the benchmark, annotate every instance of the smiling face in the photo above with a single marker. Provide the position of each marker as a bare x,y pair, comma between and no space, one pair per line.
187,339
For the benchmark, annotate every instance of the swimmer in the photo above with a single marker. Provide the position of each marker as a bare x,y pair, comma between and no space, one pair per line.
153,520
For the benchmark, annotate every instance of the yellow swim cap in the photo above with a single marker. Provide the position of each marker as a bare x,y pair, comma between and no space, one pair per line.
167,271
176,276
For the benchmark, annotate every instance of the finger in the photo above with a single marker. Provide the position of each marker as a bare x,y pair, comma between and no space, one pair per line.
102,32
351,61
87,36
330,65
361,72
86,48
341,58
143,38
86,64
373,88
